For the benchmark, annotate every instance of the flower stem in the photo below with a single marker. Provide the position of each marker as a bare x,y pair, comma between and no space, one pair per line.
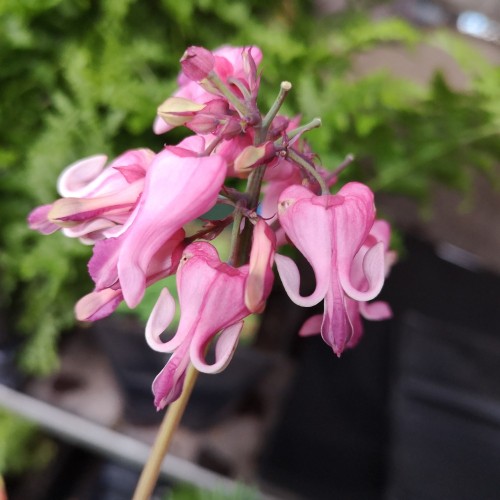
149,475
285,87
314,123
310,169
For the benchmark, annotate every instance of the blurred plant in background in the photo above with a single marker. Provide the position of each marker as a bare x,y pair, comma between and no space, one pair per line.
83,77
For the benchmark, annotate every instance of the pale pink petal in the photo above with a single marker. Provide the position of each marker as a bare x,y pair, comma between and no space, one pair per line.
307,223
75,179
374,271
98,304
225,346
89,230
290,277
161,316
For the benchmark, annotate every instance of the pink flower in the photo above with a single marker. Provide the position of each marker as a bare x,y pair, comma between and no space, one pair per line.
374,311
330,231
178,189
213,297
97,199
197,63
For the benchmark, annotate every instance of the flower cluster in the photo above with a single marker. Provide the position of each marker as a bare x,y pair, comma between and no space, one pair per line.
136,210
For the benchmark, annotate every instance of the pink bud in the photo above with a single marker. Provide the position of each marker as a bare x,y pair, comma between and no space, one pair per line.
260,274
197,63
253,156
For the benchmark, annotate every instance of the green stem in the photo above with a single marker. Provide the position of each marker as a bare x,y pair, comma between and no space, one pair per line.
171,420
314,123
333,176
285,87
310,169
241,239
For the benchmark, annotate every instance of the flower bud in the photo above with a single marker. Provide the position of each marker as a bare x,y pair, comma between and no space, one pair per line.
197,63
176,111
260,274
253,156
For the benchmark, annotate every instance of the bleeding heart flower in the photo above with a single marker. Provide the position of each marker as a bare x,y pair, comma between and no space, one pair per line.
98,200
177,191
330,231
374,311
214,298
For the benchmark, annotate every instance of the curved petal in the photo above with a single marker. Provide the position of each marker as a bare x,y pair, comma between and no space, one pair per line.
161,316
353,220
177,190
74,180
374,271
290,277
224,350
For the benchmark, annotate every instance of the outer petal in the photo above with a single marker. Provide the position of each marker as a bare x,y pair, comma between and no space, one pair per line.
75,179
290,277
177,191
307,223
353,221
161,316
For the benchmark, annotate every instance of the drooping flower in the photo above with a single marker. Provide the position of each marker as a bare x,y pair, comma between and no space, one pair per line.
374,311
214,298
329,231
178,189
97,200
